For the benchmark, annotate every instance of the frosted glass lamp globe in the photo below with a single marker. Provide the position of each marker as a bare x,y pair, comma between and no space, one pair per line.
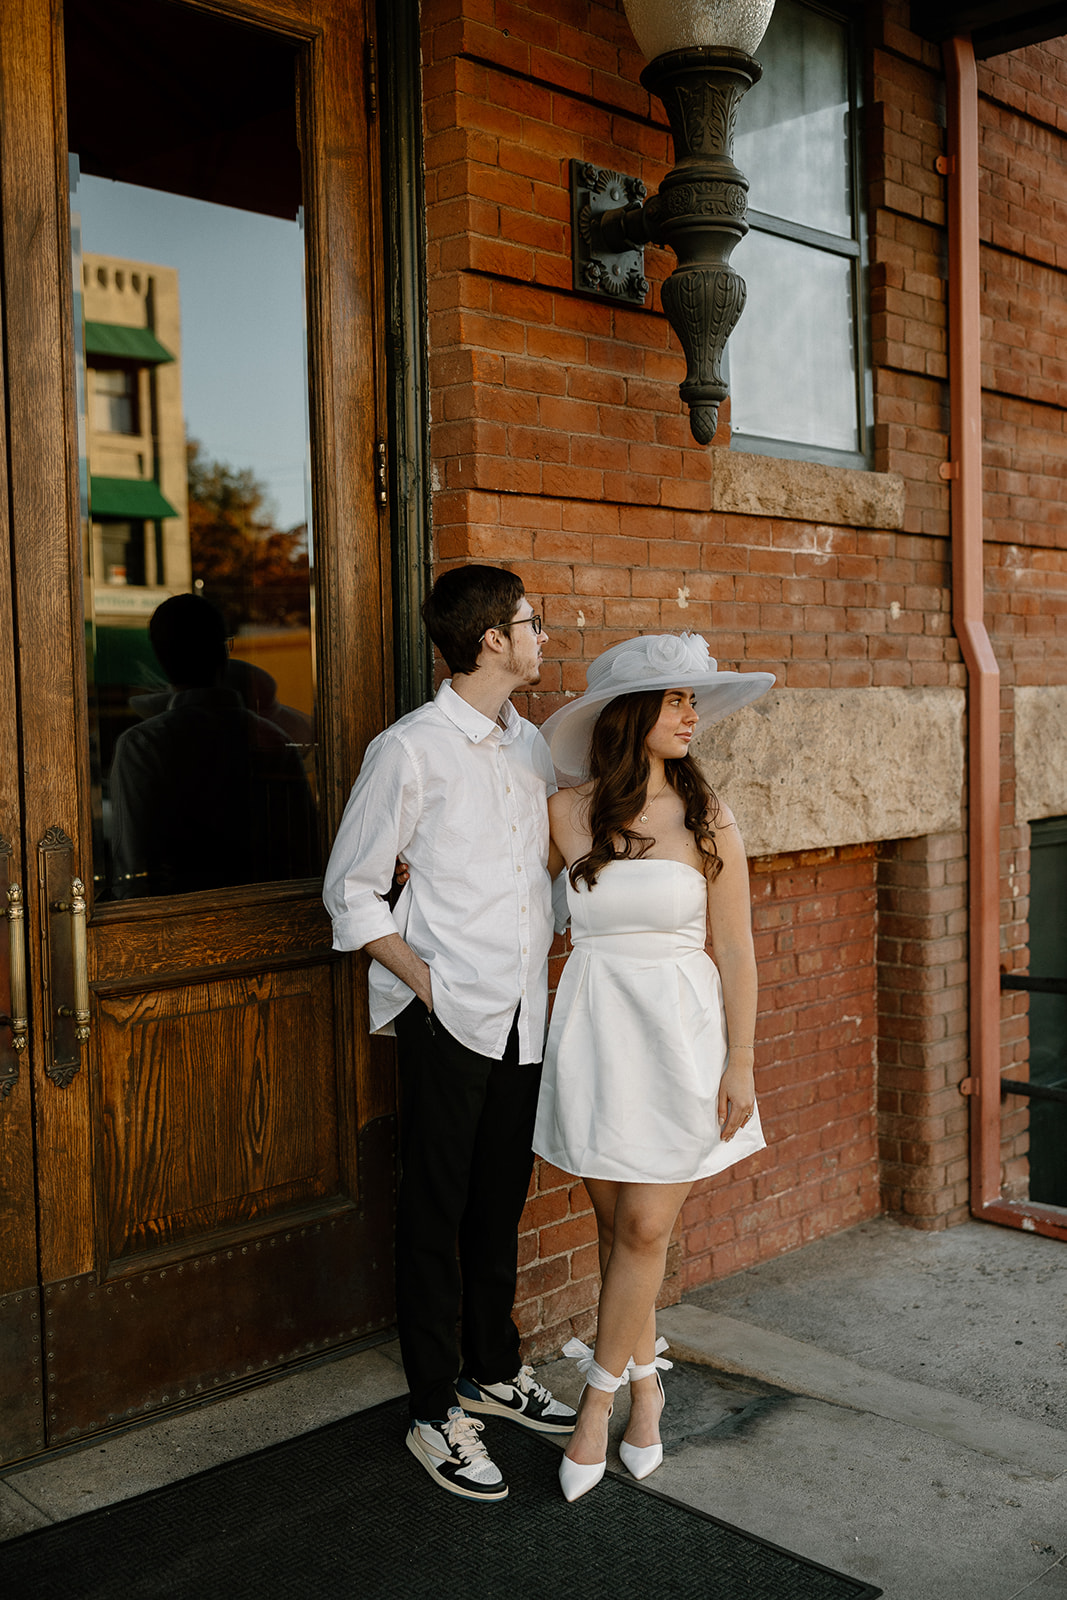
663,25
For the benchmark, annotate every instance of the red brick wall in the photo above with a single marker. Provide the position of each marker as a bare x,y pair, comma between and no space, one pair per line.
561,449
1024,231
1023,123
923,1028
814,916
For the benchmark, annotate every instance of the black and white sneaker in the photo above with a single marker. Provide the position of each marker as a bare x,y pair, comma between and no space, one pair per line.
522,1399
456,1458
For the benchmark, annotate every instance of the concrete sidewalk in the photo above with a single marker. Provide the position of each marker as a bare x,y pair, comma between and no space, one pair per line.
886,1402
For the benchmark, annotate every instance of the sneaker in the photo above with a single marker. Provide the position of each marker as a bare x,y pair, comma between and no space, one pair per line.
522,1399
453,1454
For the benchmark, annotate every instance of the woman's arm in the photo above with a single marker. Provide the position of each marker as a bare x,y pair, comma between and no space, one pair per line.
730,928
566,812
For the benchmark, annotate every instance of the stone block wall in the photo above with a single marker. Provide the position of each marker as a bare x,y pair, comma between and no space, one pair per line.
560,448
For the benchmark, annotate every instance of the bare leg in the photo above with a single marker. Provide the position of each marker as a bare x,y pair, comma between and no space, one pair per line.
635,1222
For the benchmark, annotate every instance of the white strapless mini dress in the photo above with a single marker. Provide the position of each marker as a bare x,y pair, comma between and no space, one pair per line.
637,1044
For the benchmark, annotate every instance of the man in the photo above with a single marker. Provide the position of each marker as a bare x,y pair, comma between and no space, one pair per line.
458,789
204,793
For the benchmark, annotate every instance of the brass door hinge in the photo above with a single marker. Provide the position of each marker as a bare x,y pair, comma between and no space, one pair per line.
381,472
371,70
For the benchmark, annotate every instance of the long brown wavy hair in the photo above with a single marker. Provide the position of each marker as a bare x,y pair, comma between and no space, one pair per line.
619,769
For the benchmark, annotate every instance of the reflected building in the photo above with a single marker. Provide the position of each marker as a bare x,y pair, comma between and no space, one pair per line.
135,438
140,553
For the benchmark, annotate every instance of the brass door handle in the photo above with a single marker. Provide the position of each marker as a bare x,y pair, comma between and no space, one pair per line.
79,960
18,1021
64,969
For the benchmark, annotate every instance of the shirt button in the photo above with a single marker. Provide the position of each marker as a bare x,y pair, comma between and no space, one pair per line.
508,789
522,908
524,953
513,828
518,869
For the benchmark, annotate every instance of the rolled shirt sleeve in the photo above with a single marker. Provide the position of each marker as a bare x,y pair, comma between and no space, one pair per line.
377,825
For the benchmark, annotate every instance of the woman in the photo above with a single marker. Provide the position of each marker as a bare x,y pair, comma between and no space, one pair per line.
648,1077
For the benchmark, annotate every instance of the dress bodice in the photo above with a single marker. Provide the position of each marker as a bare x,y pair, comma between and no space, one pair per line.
641,909
638,1042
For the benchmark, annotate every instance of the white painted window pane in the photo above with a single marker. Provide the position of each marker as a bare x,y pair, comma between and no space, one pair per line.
792,363
793,126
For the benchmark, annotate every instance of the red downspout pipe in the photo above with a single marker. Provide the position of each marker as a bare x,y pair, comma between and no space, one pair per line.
968,619
983,675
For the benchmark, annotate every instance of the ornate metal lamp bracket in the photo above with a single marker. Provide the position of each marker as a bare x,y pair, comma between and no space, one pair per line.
700,213
606,263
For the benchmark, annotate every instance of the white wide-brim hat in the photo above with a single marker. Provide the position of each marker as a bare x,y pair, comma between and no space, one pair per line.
656,661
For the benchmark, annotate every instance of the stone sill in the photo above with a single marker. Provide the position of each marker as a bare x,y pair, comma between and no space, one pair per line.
804,491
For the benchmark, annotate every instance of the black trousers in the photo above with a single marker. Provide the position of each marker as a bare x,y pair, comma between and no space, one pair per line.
466,1126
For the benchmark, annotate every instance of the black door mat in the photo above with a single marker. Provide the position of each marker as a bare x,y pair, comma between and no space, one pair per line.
346,1513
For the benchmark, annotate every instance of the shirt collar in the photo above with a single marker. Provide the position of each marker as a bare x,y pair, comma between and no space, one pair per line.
469,720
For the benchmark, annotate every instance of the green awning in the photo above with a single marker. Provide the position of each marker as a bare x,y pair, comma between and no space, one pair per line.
135,499
125,344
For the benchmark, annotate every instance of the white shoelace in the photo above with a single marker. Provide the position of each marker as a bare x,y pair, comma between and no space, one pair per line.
526,1383
462,1435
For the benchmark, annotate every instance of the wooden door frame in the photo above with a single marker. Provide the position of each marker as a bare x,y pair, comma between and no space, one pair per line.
22,1392
407,346
353,557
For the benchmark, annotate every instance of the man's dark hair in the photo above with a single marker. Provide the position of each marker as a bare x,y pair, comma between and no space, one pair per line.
189,638
463,604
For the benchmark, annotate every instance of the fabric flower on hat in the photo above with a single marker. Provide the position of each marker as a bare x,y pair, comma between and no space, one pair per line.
664,653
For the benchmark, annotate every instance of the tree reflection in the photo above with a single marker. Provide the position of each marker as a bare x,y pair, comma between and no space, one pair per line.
257,574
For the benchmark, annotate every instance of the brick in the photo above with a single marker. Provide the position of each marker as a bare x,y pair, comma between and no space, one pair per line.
560,417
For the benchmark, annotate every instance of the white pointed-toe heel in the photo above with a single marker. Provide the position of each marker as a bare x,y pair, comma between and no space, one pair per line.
640,1460
576,1477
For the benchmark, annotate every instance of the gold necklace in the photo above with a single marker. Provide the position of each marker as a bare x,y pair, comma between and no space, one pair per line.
650,803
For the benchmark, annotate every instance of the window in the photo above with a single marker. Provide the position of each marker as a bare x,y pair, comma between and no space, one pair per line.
122,546
798,371
114,392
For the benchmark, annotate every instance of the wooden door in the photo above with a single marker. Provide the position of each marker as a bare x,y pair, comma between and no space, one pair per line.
196,1147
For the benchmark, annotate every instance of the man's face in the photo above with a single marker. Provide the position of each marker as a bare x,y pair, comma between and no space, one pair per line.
524,645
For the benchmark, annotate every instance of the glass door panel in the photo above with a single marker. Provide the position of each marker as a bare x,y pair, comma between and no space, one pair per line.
192,384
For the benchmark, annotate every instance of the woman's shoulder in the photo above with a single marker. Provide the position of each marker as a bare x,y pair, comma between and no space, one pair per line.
565,803
720,816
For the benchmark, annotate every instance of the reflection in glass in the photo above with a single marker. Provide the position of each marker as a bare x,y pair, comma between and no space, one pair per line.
193,426
114,400
792,363
792,135
205,792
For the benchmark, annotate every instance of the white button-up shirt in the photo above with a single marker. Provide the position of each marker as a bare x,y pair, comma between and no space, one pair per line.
464,802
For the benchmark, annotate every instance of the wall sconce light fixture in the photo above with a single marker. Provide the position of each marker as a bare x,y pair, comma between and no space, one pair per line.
700,64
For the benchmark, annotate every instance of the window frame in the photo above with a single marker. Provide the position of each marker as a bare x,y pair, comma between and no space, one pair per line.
853,249
132,394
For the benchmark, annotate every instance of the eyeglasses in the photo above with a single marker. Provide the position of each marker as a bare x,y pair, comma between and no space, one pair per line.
534,621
